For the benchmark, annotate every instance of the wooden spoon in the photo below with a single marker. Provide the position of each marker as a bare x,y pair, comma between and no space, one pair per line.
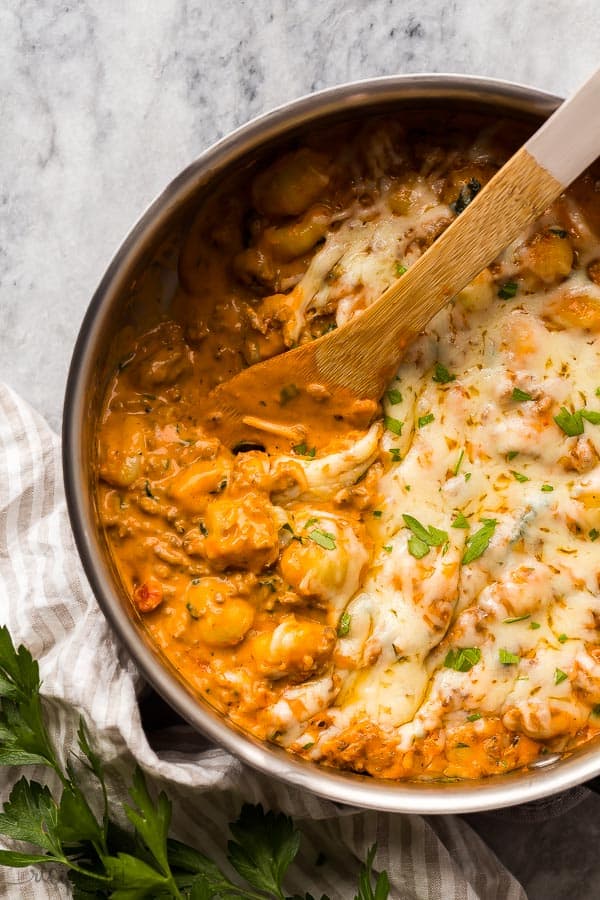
333,384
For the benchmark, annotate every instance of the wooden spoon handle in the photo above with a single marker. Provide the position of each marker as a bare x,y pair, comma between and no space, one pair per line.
515,197
569,140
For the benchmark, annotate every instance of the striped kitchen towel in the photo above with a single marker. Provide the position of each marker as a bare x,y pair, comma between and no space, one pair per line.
48,605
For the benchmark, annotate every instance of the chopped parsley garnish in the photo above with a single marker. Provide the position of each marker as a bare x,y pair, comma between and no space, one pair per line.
591,416
287,393
148,491
516,619
394,396
594,534
303,450
463,659
473,717
423,538
388,548
417,547
461,746
598,392
467,193
425,420
468,476
507,658
559,676
308,746
458,462
508,290
395,454
547,488
378,513
559,232
192,610
596,709
393,425
511,454
344,624
323,538
534,626
570,423
203,528
400,269
442,375
478,542
520,395
518,476
563,638
460,521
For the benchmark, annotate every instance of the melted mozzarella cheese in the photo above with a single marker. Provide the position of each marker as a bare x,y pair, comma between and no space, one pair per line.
473,446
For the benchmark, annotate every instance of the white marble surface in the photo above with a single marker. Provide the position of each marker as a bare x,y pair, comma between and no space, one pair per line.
101,103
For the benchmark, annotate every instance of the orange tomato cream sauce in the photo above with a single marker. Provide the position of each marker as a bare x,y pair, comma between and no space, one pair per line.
420,600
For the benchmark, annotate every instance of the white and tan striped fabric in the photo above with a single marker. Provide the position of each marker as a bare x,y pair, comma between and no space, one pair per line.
47,604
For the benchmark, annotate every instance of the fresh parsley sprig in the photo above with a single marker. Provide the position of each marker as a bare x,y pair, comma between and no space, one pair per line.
104,860
423,537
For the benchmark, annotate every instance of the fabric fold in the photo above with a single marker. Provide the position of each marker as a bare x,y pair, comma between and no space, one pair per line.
47,604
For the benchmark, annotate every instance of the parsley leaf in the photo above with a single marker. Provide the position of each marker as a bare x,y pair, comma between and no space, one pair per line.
511,454
425,420
462,659
547,488
31,815
594,534
534,625
442,375
516,619
460,521
395,454
459,462
591,416
478,542
559,676
344,624
150,820
400,269
570,423
518,476
24,739
417,547
365,887
507,658
323,538
508,290
422,537
520,395
303,450
263,848
394,396
473,717
393,425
